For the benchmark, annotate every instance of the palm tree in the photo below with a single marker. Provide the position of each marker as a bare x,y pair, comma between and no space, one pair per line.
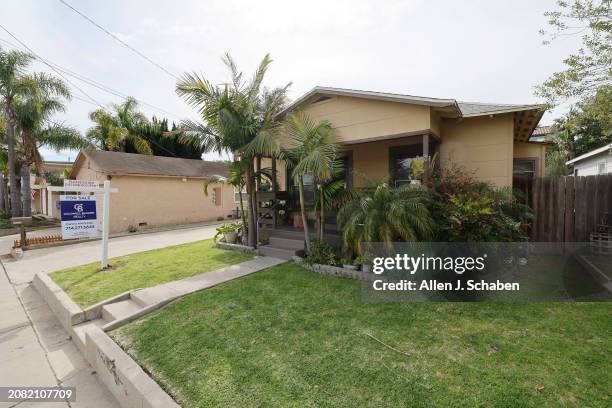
13,85
37,129
313,152
382,214
238,119
125,124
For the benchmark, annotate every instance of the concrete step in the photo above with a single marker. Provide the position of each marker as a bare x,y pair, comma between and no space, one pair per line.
283,233
119,310
80,329
287,243
281,253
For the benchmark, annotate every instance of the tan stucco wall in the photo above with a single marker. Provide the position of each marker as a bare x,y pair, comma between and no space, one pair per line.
355,119
482,145
532,150
159,201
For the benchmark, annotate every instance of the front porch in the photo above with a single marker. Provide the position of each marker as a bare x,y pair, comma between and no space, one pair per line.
399,160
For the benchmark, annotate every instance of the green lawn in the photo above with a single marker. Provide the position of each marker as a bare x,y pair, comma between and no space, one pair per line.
289,337
87,285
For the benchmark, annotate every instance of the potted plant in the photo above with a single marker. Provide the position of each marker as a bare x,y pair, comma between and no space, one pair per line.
417,167
365,261
229,232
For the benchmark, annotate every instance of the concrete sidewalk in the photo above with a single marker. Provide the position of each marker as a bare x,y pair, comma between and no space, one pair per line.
6,242
52,259
36,351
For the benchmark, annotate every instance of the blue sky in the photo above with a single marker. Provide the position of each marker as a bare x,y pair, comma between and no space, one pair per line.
485,51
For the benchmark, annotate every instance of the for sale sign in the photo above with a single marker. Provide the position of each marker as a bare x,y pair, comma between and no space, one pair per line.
78,214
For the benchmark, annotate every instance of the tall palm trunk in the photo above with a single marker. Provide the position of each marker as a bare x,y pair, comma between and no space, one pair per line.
322,213
248,173
10,146
2,187
244,219
303,209
26,191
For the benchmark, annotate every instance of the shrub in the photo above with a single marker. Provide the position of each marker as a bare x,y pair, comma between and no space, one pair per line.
466,209
321,252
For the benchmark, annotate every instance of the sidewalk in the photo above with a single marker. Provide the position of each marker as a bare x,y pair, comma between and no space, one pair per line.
36,351
56,258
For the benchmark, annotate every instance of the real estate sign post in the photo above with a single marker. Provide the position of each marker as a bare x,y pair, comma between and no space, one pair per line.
79,211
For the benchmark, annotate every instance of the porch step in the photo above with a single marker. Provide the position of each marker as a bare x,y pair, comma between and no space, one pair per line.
284,233
118,310
287,243
281,253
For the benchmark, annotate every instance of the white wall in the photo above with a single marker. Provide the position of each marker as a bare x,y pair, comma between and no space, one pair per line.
590,165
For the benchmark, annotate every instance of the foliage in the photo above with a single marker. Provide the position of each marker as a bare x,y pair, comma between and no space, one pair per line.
313,152
466,209
321,252
555,162
234,179
383,214
238,118
417,167
53,178
587,126
226,229
167,141
120,126
591,66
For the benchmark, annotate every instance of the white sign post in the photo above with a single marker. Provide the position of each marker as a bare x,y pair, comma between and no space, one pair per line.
89,186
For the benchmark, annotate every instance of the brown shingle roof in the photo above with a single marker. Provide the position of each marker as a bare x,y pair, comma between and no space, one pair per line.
117,163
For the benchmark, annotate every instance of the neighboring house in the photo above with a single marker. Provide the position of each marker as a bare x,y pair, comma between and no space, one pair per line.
598,161
44,201
155,190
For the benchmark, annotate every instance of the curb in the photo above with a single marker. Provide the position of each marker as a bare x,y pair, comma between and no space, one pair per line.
120,374
123,377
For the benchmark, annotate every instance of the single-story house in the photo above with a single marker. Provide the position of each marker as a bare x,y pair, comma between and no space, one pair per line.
157,191
380,134
597,161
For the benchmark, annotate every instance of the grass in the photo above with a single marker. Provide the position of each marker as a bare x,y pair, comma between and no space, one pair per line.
288,337
87,285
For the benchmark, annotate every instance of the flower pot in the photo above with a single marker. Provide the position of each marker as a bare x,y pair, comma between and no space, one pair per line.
351,267
230,237
366,268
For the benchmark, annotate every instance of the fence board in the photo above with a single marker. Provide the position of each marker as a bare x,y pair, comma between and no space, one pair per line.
569,209
568,221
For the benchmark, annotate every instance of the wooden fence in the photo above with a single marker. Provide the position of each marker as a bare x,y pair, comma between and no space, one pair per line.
569,209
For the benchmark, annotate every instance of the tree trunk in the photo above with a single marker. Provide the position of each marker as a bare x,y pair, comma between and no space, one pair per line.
244,219
10,145
26,191
322,214
304,219
251,217
2,187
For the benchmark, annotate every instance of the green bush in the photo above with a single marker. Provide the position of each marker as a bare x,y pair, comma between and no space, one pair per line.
321,252
465,209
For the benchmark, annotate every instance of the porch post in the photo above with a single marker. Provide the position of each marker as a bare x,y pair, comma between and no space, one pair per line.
274,188
426,156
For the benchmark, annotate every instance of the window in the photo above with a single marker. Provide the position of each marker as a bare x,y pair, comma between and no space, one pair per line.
237,194
523,174
216,196
601,167
399,163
